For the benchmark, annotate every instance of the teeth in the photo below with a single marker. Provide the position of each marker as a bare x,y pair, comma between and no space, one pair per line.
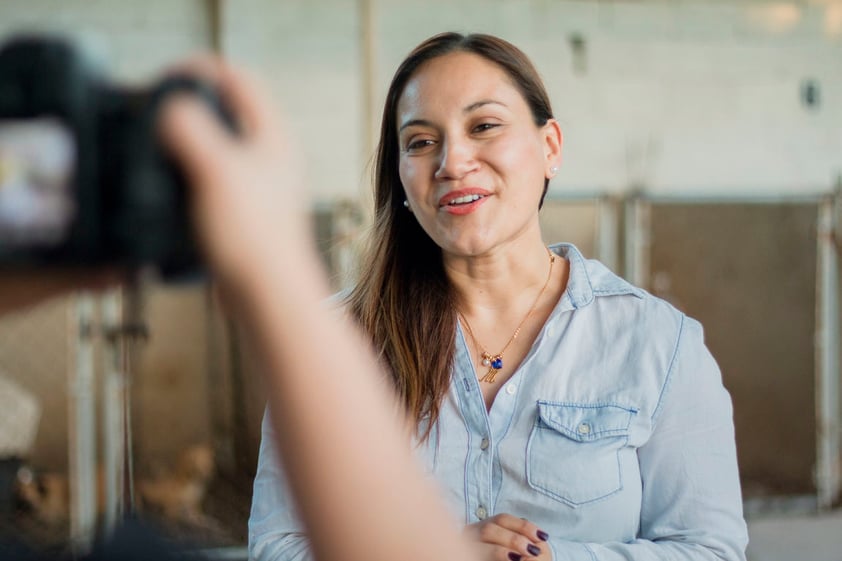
465,199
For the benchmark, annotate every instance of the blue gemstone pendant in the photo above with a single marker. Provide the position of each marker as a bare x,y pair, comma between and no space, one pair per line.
496,363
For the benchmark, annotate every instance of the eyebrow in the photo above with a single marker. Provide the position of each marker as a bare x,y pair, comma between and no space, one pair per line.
476,105
472,107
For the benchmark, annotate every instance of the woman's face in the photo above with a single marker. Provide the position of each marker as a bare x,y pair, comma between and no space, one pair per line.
472,160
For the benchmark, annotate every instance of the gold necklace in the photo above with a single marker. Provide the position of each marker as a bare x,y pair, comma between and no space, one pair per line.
495,362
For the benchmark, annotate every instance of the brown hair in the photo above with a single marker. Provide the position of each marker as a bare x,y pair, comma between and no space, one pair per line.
404,300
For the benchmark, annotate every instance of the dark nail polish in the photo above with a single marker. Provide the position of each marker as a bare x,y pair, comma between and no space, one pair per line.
542,535
533,550
514,556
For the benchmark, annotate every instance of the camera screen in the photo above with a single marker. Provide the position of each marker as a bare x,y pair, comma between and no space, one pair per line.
37,204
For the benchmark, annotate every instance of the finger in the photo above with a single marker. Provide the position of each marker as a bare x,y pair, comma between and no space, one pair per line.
244,94
204,65
250,100
489,552
193,133
522,526
511,540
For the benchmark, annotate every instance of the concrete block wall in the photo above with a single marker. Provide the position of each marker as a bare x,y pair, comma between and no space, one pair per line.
691,96
309,53
697,98
135,40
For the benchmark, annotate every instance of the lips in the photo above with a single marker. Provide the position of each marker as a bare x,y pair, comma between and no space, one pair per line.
462,197
464,200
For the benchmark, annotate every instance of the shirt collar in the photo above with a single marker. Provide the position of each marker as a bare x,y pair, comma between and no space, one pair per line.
589,278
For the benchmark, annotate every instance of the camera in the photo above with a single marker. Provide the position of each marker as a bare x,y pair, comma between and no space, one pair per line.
84,180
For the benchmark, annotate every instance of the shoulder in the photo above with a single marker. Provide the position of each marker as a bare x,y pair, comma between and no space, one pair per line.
589,278
620,314
591,283
606,282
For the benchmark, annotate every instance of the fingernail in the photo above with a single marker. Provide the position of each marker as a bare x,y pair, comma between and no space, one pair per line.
533,550
542,535
514,556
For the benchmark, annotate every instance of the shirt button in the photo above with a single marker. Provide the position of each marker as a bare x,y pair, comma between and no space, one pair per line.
584,428
481,513
511,389
483,444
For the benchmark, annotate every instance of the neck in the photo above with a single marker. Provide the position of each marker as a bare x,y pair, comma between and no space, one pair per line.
500,282
506,301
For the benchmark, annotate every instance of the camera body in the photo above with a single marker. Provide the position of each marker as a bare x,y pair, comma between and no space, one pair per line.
84,179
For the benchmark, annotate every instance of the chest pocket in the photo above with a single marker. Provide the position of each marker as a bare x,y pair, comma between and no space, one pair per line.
573,452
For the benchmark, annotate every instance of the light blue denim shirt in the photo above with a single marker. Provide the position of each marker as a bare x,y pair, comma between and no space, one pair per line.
615,436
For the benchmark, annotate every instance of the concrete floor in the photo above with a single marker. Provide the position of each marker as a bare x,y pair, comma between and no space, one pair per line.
780,537
800,537
789,531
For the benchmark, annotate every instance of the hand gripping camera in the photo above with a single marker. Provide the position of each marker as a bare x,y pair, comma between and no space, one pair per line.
84,180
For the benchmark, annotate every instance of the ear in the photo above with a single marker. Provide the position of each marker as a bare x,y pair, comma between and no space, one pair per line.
553,141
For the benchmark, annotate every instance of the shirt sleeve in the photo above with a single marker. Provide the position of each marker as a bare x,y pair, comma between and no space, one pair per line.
275,530
691,508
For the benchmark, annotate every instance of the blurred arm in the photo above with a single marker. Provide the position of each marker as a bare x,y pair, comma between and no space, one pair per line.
349,464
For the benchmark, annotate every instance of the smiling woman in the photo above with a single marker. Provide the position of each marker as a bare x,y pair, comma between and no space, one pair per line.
565,413
463,145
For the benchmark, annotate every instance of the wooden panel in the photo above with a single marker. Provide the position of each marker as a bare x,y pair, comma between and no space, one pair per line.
571,221
748,273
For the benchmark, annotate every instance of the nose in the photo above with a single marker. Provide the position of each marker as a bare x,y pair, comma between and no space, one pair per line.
458,159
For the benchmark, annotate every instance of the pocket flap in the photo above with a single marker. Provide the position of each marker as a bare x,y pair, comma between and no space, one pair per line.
585,422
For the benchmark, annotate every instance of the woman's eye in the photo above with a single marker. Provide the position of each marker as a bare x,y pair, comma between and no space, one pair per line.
483,127
418,144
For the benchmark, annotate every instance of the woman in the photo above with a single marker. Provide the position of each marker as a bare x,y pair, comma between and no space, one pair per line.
565,413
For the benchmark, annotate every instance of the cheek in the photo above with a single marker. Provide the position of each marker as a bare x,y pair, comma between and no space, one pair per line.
403,170
408,173
524,165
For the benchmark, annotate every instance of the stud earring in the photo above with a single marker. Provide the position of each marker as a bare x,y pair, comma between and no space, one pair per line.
405,203
554,169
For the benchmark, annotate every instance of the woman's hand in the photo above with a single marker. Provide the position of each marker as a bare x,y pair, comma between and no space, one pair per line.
247,194
504,537
249,208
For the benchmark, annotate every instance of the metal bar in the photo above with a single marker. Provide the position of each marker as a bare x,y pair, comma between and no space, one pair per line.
218,381
637,241
586,194
82,429
827,359
606,232
113,414
570,195
731,199
216,25
133,334
368,75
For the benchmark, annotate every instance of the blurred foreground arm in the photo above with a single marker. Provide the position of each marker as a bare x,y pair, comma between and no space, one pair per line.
360,493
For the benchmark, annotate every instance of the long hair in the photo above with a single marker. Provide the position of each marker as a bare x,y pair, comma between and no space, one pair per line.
404,301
